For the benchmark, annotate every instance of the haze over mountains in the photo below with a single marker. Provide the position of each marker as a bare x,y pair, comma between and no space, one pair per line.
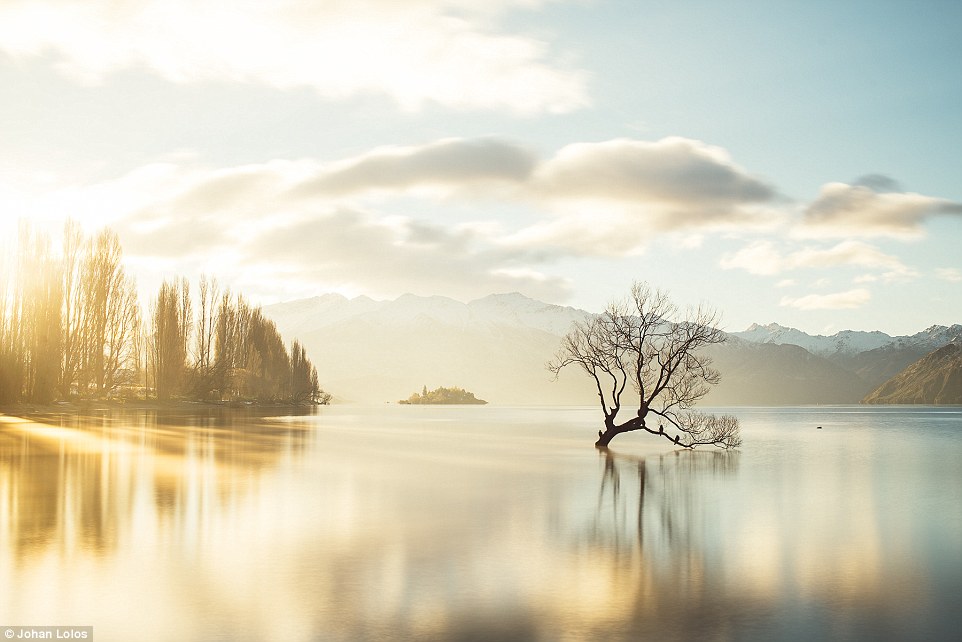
496,347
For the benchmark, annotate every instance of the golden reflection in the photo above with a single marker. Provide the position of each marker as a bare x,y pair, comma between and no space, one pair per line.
232,527
74,481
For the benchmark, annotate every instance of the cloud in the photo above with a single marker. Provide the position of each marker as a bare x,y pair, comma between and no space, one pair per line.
184,209
869,209
612,198
952,275
878,183
359,251
453,163
844,253
377,213
582,233
677,172
762,257
418,51
590,199
259,227
837,301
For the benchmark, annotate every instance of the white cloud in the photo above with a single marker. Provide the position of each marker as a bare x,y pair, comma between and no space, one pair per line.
362,252
418,51
860,210
601,199
367,212
763,257
613,198
258,224
837,301
455,163
952,275
760,257
676,172
583,233
844,253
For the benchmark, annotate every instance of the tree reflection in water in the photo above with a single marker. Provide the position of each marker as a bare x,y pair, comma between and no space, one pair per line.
656,530
661,500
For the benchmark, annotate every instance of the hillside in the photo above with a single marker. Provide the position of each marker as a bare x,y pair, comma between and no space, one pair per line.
934,379
779,374
877,366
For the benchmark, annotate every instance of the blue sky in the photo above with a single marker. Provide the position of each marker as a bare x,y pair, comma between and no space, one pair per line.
794,162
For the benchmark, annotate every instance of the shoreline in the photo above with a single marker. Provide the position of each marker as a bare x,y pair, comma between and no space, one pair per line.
65,407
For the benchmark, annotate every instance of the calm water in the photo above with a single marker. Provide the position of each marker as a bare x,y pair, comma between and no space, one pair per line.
482,523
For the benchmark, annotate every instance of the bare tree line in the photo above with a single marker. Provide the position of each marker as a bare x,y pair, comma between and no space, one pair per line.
71,327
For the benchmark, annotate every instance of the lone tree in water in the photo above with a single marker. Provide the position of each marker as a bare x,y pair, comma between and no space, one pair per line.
639,350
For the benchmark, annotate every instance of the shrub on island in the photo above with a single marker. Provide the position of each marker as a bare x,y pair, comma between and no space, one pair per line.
443,396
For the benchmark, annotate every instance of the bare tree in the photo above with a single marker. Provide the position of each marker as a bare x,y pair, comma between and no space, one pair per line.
39,315
225,345
72,305
169,348
110,314
123,327
206,322
203,380
642,351
10,354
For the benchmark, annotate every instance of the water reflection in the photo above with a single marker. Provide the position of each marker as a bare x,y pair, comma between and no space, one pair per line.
432,523
75,482
651,549
660,503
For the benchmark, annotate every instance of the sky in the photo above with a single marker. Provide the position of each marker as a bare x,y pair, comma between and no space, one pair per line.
783,161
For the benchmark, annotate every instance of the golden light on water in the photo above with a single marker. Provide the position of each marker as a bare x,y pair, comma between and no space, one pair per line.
304,527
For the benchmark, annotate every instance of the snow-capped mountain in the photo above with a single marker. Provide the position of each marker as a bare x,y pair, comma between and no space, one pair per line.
518,309
512,309
848,341
934,336
844,341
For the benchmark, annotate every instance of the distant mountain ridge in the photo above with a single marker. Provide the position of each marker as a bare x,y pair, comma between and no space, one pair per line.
847,341
368,350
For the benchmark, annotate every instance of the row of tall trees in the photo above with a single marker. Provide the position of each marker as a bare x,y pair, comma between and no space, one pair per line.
68,321
229,351
71,326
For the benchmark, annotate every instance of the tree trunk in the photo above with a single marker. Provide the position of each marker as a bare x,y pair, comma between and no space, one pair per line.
604,438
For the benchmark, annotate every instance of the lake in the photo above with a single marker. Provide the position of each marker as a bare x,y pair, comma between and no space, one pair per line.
481,523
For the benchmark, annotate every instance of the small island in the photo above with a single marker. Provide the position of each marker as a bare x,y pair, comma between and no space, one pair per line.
443,396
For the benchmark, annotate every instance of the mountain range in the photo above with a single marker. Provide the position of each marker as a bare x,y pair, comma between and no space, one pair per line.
496,346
